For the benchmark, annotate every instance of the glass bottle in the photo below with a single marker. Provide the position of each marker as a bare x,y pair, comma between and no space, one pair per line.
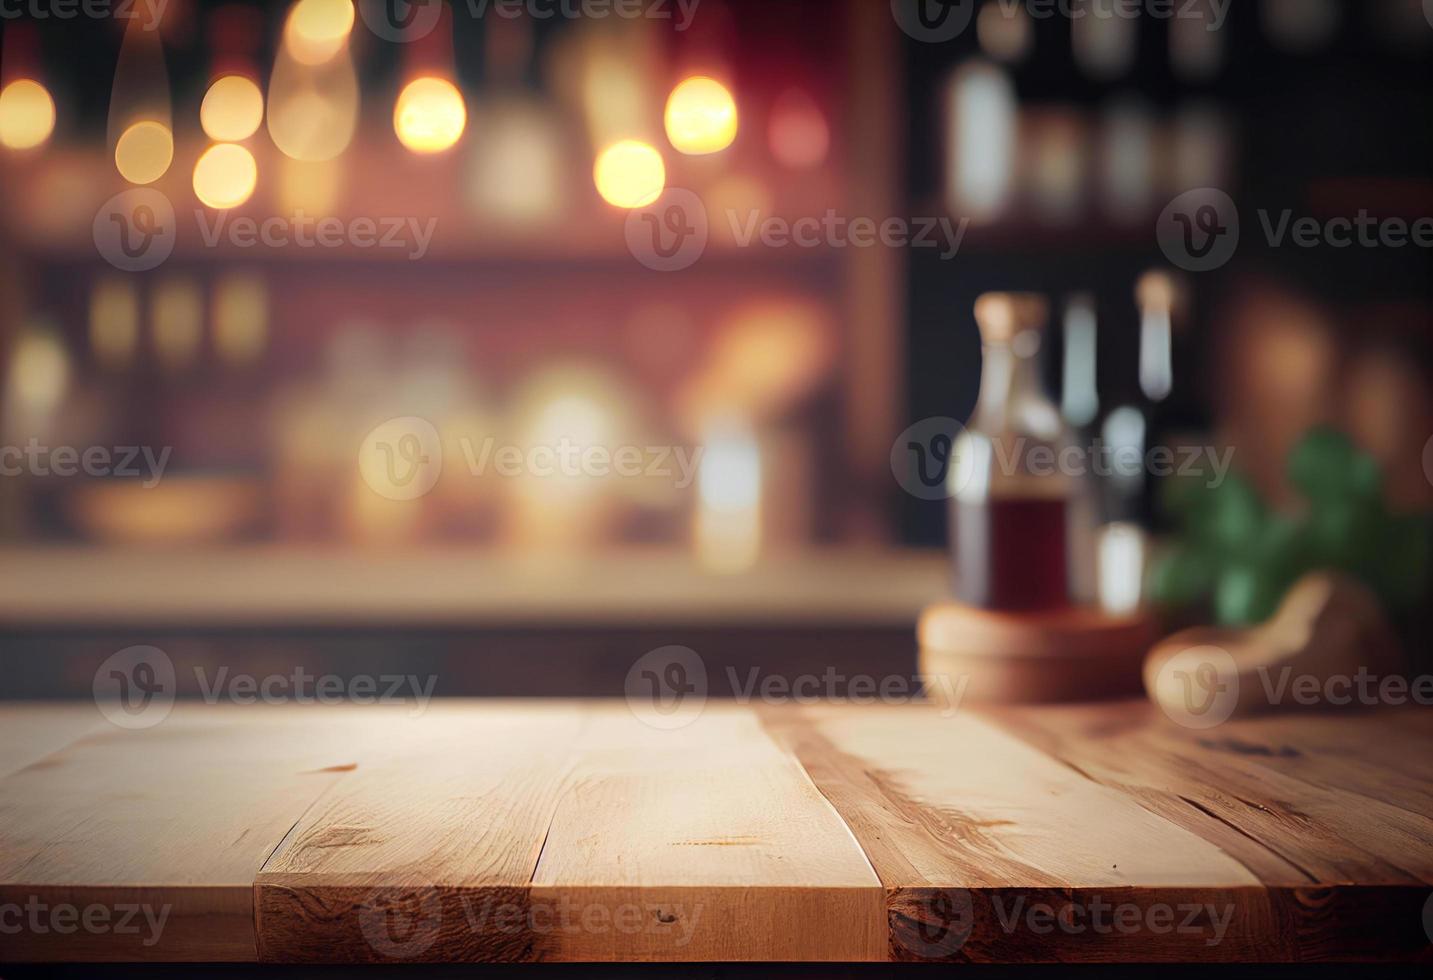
1015,496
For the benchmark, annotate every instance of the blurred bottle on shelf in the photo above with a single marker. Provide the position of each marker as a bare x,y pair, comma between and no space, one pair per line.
1018,512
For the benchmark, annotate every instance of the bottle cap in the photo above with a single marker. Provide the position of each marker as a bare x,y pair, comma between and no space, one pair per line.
1004,316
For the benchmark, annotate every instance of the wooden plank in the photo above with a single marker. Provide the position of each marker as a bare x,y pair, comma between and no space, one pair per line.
711,842
31,730
143,845
426,854
509,833
1331,812
977,835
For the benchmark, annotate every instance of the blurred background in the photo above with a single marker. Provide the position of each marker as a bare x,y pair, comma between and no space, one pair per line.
511,150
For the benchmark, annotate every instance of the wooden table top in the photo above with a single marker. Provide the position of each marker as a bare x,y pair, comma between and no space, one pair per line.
511,831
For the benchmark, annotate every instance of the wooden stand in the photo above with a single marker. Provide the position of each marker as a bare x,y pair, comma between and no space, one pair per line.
1070,654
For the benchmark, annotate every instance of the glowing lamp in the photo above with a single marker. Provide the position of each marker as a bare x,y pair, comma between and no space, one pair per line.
630,174
27,115
225,176
700,116
232,109
429,116
144,151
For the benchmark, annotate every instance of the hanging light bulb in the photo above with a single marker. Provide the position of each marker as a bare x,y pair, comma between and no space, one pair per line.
701,116
316,30
27,111
313,101
141,129
630,174
27,115
429,116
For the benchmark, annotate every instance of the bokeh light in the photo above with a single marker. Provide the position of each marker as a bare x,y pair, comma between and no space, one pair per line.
225,176
429,116
701,116
27,114
630,174
144,151
798,133
318,29
232,109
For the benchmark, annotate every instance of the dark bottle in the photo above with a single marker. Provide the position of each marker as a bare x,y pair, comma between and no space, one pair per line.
1011,503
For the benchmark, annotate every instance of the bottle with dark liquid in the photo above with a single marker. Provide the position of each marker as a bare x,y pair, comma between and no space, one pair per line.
1011,503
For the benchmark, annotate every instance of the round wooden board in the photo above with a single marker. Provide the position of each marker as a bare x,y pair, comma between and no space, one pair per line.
1073,654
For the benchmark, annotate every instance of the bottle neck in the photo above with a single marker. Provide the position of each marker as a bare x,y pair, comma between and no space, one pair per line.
1009,386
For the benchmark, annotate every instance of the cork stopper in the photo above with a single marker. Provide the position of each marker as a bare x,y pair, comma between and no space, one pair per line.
1156,292
1004,316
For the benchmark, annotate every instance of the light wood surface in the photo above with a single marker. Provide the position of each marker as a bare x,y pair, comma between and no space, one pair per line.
574,831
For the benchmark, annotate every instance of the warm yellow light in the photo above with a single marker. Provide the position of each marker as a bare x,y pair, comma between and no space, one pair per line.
178,312
318,29
225,176
701,116
429,116
114,321
232,109
241,318
630,174
39,373
27,114
144,151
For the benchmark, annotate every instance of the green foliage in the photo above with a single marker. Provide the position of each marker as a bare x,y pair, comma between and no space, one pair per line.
1234,552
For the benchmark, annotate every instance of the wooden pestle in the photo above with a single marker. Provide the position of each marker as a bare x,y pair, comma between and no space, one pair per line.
1328,626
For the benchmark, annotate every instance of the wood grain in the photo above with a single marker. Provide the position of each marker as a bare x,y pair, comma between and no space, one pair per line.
425,854
29,731
1331,812
573,831
157,834
718,836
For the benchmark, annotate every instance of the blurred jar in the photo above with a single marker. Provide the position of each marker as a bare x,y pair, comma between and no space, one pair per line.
1016,501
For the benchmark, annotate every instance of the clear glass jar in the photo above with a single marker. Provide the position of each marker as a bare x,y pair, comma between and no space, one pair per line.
1018,521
